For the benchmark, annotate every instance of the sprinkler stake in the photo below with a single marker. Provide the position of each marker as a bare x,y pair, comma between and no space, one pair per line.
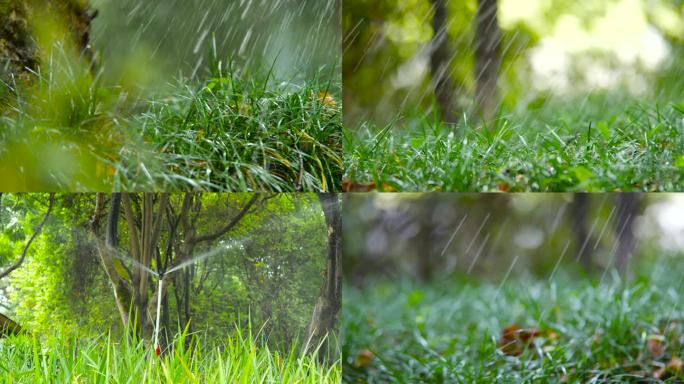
157,350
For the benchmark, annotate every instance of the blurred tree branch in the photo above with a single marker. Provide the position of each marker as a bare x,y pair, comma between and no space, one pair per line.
36,232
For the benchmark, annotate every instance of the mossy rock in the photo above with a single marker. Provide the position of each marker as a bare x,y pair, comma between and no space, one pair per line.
18,54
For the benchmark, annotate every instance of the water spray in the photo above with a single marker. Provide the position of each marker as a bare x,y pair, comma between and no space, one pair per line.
160,278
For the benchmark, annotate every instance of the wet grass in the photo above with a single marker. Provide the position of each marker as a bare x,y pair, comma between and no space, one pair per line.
571,330
104,360
234,134
599,143
234,131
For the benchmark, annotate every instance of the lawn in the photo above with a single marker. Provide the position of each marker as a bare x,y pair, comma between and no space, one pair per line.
521,329
23,359
597,143
232,130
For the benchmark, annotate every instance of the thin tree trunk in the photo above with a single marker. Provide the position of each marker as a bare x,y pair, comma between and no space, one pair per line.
323,322
440,59
578,211
427,261
487,60
628,207
186,300
165,322
132,288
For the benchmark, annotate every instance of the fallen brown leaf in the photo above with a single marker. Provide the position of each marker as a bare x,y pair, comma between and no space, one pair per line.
350,186
503,187
326,99
514,339
675,364
672,368
654,346
363,358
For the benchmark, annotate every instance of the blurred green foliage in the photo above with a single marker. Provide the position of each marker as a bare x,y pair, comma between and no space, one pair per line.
60,128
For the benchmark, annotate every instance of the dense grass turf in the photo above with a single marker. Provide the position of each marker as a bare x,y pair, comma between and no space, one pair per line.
570,330
599,143
237,360
234,131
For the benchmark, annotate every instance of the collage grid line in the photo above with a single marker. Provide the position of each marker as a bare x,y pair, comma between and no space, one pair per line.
341,191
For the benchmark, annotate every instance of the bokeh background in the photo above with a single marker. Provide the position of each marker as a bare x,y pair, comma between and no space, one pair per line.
158,40
443,235
550,49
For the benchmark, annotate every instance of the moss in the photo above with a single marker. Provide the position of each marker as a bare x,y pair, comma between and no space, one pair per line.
17,52
17,46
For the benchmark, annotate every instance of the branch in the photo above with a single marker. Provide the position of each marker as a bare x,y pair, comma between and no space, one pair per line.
230,225
97,215
133,233
191,241
157,224
36,232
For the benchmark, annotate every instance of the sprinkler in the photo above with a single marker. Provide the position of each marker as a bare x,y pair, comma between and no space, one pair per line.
160,278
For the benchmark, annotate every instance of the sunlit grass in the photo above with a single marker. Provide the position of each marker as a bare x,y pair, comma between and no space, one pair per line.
451,331
237,359
579,145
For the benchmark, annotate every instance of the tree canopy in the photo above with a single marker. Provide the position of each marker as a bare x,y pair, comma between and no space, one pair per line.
226,260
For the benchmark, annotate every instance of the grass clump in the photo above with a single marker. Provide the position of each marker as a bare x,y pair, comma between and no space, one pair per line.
235,133
238,359
563,329
639,147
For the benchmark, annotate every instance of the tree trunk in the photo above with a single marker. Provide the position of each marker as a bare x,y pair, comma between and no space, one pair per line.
427,261
578,211
164,321
323,322
8,327
440,59
18,52
487,60
145,215
131,289
628,207
187,313
107,250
